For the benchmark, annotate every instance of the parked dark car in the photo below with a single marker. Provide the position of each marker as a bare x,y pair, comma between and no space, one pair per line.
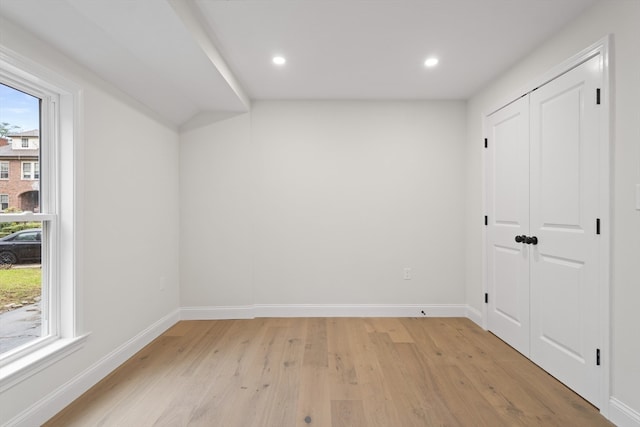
21,246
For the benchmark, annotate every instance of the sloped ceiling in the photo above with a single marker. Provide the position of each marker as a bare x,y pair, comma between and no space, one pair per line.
189,58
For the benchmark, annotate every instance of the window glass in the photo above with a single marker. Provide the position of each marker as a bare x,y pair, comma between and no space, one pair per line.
23,289
26,170
21,292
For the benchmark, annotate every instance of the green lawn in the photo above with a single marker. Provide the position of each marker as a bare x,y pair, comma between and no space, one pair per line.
19,284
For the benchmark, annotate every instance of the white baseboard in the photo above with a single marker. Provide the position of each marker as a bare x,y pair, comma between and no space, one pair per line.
323,310
474,315
360,310
54,402
622,415
217,313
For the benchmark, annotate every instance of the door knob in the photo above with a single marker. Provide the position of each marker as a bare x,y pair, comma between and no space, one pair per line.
529,240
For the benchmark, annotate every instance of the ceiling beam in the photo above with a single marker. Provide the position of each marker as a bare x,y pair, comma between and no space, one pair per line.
190,15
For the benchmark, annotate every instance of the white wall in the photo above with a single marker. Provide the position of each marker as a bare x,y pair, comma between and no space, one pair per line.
622,19
350,193
325,203
216,184
130,214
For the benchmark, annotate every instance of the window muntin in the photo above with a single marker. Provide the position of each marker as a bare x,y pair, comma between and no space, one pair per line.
4,170
4,202
25,142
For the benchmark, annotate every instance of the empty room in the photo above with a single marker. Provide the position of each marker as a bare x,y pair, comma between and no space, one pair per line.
319,213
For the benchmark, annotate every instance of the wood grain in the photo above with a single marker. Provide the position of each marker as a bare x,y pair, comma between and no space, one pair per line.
328,372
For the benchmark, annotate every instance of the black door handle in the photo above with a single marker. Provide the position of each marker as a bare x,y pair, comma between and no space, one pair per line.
529,240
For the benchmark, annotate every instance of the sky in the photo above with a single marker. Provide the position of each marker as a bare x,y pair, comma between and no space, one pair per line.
19,109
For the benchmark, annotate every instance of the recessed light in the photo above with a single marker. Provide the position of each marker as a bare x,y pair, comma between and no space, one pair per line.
431,62
279,60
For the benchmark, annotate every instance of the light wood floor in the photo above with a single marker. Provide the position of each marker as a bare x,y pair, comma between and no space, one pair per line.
328,373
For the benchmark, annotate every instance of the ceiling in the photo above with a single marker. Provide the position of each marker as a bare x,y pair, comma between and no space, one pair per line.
191,58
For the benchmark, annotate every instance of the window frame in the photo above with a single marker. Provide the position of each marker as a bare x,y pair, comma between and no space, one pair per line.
24,142
7,198
25,175
60,175
8,169
34,171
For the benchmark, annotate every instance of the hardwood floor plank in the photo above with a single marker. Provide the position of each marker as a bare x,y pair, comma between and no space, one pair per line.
316,350
391,326
343,378
314,403
282,376
328,372
347,413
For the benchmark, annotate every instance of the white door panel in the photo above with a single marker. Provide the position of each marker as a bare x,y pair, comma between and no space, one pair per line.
510,279
559,292
564,208
508,213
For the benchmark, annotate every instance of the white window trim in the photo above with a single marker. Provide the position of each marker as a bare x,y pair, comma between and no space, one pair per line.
66,222
7,196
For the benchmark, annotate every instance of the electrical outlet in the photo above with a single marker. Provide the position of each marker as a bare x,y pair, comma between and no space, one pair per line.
407,273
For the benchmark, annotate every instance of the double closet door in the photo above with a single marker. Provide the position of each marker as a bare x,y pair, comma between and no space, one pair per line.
542,230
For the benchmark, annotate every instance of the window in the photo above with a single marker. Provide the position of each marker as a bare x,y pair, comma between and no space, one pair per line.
43,239
4,170
25,142
26,170
30,170
4,201
28,236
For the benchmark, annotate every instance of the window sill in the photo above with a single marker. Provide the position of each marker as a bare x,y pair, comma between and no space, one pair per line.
26,366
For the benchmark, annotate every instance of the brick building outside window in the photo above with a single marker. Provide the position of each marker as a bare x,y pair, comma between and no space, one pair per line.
19,171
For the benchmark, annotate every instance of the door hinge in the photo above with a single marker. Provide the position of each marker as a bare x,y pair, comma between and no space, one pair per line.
486,298
597,225
597,357
486,220
598,96
486,143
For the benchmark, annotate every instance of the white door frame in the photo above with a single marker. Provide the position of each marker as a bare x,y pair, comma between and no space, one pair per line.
600,48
